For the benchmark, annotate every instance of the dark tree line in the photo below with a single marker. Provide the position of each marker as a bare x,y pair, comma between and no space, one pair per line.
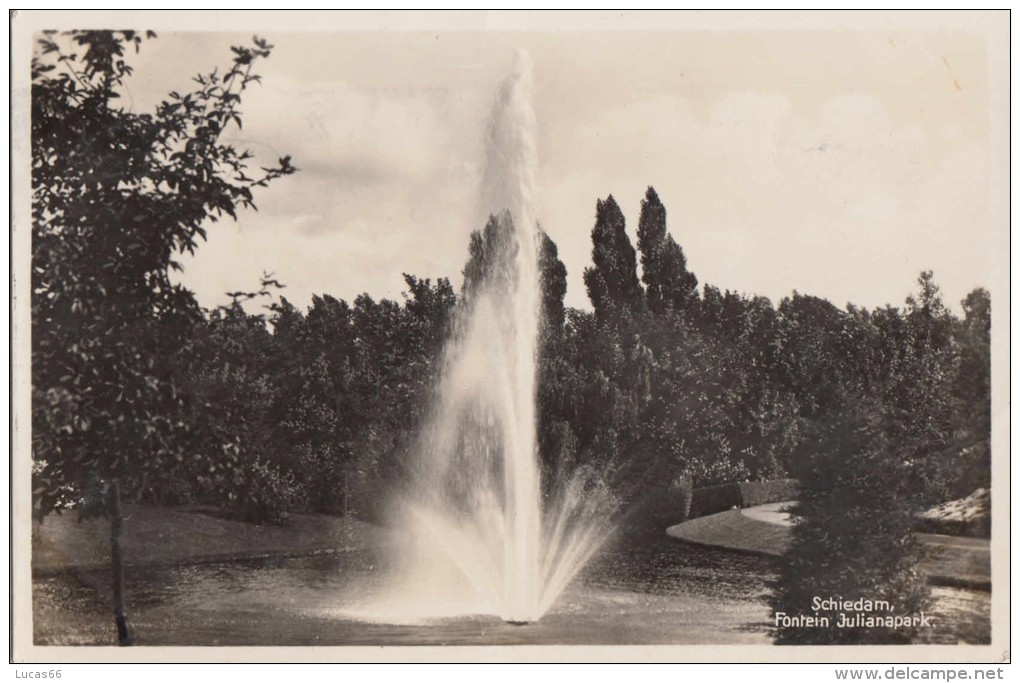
658,383
323,404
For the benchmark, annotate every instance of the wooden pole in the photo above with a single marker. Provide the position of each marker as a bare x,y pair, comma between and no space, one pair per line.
117,556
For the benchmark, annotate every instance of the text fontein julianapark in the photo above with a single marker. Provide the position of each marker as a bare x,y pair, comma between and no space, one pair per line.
859,613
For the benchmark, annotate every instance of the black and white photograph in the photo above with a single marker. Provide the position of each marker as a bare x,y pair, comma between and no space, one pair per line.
511,330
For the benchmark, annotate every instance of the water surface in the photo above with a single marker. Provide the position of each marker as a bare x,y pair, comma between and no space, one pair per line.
664,593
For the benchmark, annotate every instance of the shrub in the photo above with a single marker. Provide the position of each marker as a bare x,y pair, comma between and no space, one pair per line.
952,473
174,488
763,492
709,500
712,499
852,535
969,516
684,487
319,471
647,515
268,494
977,528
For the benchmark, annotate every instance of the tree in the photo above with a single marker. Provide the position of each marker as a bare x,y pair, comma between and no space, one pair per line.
430,308
490,253
116,196
668,283
852,534
612,282
923,393
553,283
556,381
816,353
490,256
973,381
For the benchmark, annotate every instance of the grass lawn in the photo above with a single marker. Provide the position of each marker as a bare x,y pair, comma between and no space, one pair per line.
766,530
161,535
735,531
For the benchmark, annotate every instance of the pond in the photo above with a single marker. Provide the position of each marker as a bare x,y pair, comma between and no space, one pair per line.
664,593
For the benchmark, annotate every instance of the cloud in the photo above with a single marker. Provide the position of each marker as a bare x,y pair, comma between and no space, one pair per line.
386,185
766,198
842,177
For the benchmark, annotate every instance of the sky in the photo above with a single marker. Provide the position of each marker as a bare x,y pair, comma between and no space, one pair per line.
835,163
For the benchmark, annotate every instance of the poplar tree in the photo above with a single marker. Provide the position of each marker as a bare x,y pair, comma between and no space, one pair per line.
612,282
668,283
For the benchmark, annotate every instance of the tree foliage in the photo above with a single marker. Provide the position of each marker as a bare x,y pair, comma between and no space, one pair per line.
116,196
852,534
612,281
668,283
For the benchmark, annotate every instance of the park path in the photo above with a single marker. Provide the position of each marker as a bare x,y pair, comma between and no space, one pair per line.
767,530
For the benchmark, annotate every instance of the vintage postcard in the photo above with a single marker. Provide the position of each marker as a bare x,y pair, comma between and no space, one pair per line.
496,336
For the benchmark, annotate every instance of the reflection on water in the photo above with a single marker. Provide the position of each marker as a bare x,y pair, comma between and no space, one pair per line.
669,593
679,569
673,594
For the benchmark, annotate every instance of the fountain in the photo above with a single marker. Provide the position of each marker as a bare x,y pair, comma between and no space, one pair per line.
482,538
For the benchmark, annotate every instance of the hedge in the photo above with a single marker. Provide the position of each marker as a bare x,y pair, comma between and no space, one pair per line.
975,528
763,492
665,505
712,499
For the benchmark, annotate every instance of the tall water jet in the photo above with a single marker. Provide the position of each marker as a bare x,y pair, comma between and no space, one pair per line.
480,539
